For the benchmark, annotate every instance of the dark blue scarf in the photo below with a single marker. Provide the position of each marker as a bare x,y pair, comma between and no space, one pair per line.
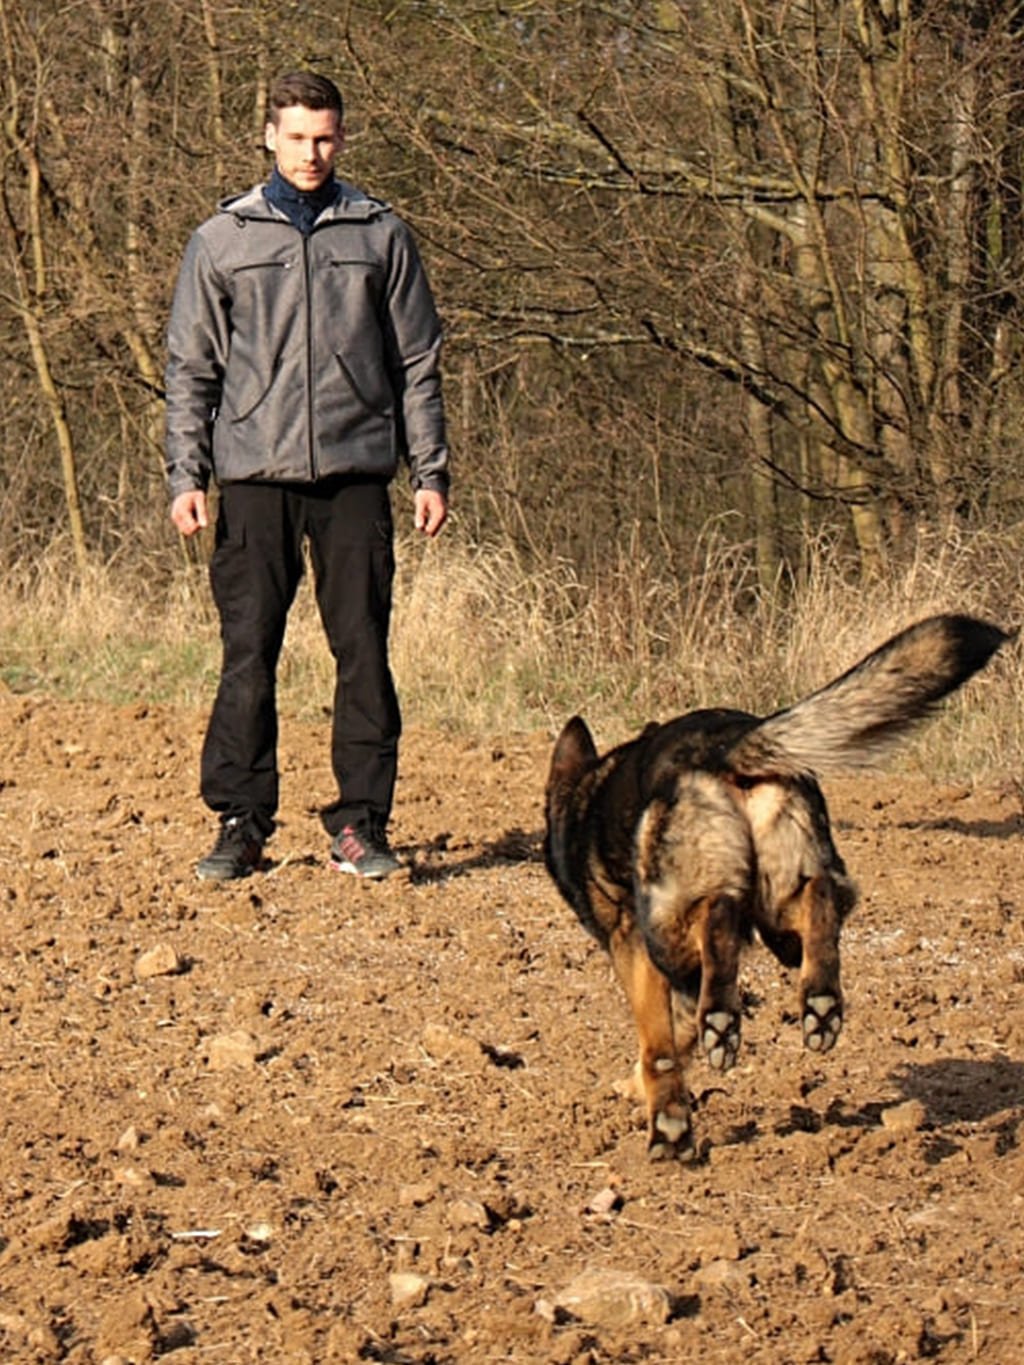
302,207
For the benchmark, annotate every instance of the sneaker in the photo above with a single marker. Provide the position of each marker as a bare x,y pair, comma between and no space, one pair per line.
363,853
236,853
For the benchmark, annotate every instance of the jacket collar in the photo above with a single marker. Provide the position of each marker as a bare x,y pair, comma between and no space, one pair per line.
350,203
303,207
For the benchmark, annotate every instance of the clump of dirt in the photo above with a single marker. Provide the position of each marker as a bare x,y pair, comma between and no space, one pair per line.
304,1119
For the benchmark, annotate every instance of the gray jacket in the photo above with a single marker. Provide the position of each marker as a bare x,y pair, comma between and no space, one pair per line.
294,358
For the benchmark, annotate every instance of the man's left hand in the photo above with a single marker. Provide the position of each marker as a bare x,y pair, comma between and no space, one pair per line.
431,511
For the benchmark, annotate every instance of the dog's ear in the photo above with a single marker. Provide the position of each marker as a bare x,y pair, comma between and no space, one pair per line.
574,749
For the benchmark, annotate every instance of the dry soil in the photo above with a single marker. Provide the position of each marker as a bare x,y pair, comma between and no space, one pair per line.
305,1119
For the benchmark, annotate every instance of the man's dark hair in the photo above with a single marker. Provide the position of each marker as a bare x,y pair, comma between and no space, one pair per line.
305,88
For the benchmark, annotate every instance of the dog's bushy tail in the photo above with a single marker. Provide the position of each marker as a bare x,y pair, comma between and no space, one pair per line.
856,719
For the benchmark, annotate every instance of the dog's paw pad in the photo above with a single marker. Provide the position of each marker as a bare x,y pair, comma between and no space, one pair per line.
720,1036
823,1021
671,1135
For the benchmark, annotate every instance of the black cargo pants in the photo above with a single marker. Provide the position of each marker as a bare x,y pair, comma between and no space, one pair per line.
255,570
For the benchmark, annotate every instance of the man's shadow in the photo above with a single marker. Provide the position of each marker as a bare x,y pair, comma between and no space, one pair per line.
1011,827
964,1089
953,1091
514,846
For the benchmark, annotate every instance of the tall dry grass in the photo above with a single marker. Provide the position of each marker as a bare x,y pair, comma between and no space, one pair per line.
485,645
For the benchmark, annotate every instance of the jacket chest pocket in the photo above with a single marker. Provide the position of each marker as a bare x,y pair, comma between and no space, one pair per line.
259,275
356,280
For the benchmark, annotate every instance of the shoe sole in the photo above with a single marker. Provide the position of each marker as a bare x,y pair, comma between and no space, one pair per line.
205,876
350,869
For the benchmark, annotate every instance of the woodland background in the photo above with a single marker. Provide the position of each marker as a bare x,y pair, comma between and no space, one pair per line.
731,292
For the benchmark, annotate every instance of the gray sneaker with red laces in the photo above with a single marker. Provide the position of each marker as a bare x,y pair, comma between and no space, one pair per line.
357,850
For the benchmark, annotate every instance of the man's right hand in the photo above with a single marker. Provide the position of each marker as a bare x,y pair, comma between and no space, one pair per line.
188,511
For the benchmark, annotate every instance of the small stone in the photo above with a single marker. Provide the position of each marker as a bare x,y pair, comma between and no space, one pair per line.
444,1044
606,1201
49,1233
719,1274
408,1290
613,1298
232,1049
128,1328
718,1243
129,1140
133,1178
414,1196
806,1149
162,960
36,1335
175,1336
930,1216
905,1118
468,1213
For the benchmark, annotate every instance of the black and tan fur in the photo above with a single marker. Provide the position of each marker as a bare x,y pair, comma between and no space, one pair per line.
675,847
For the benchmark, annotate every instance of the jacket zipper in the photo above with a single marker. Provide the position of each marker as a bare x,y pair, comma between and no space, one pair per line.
310,438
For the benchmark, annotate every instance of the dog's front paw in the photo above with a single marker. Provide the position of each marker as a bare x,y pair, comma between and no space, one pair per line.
720,1037
823,1021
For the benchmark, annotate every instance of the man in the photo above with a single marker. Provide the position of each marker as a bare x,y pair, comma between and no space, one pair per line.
303,363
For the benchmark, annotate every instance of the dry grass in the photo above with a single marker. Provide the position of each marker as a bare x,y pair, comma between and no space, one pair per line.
483,645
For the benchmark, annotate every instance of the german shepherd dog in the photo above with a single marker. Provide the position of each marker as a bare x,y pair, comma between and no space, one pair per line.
675,847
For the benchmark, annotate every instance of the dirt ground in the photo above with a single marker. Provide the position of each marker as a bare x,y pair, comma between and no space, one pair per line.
303,1119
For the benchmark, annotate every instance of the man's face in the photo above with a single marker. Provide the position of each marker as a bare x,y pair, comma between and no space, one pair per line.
305,143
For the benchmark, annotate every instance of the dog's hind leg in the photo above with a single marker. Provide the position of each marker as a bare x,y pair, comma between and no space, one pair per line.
804,933
720,921
699,953
693,902
661,1065
804,895
818,922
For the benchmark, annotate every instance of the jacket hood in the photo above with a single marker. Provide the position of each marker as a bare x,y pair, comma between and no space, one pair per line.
349,203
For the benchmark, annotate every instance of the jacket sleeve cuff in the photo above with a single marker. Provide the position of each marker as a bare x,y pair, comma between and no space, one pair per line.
431,483
185,483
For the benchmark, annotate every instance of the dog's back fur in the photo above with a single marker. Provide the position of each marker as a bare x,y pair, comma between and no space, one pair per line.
674,847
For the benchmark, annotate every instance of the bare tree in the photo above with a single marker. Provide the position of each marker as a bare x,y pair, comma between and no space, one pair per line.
791,198
101,191
28,256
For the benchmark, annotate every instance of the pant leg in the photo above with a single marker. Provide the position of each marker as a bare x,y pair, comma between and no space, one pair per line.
254,572
350,536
